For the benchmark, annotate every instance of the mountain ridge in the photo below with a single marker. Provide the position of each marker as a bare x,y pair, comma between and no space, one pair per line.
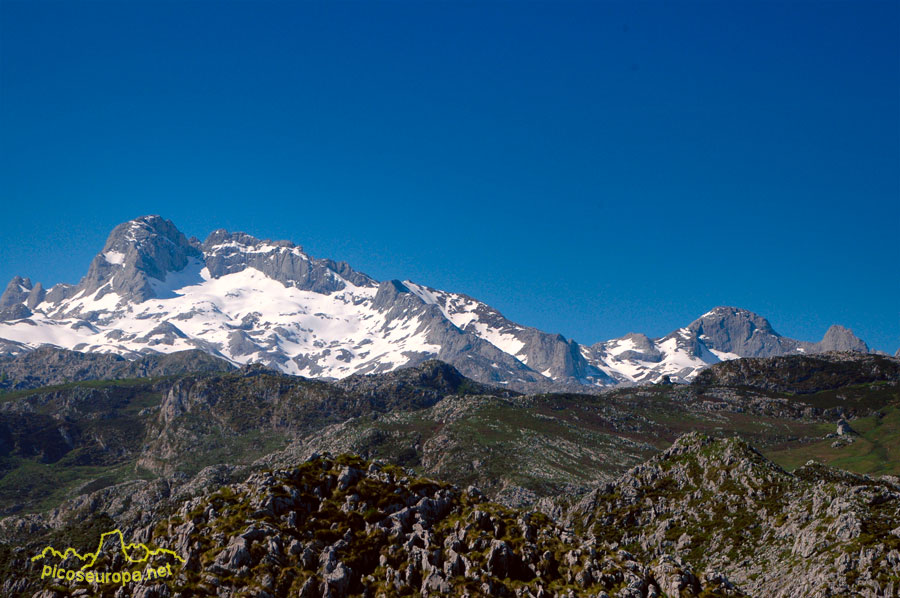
243,299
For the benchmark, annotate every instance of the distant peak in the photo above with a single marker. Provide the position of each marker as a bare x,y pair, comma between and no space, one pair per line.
149,220
138,231
637,336
723,311
230,252
729,313
839,338
135,251
740,332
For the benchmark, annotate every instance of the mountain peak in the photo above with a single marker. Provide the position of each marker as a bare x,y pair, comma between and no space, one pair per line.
138,232
740,332
148,247
16,292
734,314
19,298
838,338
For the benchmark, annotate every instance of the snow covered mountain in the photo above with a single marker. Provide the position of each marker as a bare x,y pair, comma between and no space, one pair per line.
718,335
151,289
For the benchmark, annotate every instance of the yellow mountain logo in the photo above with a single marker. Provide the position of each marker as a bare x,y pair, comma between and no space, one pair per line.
135,552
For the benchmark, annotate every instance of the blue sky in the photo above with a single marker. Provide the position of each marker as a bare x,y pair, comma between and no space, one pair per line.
586,168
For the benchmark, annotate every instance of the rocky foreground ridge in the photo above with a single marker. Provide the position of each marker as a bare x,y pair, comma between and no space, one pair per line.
345,527
708,517
718,503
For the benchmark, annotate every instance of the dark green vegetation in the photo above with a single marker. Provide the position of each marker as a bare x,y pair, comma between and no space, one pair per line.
875,451
68,439
521,448
802,374
140,451
61,441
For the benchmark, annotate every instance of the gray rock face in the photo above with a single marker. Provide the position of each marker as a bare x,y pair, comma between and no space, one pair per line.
560,357
16,292
843,428
227,253
740,331
36,295
839,338
473,356
235,555
16,311
162,334
19,298
551,355
136,252
59,292
499,558
10,348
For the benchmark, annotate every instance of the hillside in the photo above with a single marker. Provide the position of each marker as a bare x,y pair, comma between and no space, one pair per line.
520,449
646,491
720,504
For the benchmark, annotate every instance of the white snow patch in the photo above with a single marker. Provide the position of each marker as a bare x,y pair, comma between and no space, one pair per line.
618,346
724,355
114,257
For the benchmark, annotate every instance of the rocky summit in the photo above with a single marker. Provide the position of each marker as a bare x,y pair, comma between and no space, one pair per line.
153,290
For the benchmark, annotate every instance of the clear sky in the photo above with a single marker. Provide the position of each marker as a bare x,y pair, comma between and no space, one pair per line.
586,168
